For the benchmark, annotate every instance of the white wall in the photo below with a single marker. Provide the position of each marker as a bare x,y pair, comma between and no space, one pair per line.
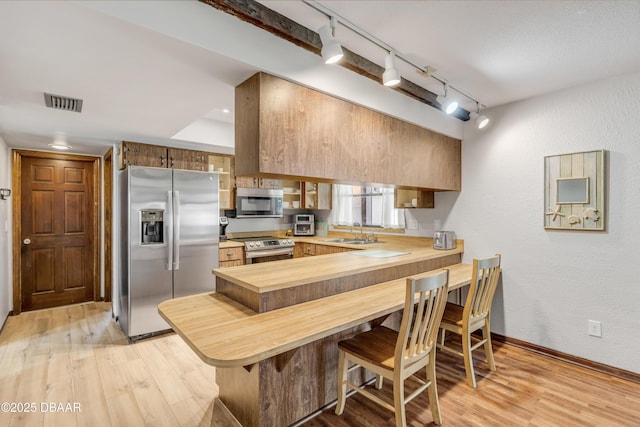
554,281
5,234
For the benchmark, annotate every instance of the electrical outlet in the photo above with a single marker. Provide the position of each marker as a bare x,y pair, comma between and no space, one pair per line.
594,328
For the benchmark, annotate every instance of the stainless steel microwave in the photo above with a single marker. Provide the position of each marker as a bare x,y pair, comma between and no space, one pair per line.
258,203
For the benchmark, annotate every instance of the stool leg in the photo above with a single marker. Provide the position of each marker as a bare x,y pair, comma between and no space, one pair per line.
342,386
468,357
488,349
432,390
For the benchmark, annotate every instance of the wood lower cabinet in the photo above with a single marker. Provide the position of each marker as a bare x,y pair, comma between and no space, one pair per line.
303,249
231,257
326,249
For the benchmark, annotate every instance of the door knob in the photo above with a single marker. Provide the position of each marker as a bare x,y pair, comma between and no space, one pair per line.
27,241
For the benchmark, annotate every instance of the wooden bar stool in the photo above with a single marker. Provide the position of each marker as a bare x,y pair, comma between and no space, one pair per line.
474,315
399,355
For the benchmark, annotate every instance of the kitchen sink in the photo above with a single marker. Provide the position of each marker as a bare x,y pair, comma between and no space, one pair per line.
349,241
358,242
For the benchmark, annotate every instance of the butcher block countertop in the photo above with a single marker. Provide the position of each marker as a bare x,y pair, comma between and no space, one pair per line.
223,334
289,273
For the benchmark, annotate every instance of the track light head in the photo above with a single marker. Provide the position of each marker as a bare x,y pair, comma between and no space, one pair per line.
331,49
449,105
391,75
480,119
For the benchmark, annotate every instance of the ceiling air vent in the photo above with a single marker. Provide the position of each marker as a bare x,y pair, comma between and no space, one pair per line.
63,102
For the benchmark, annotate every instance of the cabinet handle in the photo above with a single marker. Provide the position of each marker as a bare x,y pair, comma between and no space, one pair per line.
229,254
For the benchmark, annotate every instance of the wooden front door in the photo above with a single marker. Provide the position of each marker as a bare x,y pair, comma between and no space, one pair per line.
58,230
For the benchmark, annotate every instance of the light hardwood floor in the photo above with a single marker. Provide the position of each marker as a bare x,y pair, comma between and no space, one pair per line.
77,355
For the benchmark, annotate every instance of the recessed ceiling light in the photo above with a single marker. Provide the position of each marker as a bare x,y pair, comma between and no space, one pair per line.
59,146
226,110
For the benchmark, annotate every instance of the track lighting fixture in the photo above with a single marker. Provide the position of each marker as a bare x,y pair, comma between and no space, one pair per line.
332,52
391,76
331,49
449,105
480,119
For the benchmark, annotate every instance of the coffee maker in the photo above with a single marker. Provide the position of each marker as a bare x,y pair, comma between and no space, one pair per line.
224,222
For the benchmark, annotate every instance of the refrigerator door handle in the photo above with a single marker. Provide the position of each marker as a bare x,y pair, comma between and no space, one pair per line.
170,231
176,225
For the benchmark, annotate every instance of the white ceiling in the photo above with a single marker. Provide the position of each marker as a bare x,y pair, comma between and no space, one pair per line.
148,85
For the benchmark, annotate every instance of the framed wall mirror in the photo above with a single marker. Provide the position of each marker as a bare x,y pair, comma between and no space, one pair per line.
574,192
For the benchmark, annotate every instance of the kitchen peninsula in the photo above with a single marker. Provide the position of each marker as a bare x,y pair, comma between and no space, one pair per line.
272,329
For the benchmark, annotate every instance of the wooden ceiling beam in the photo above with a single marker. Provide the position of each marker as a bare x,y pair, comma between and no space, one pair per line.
269,20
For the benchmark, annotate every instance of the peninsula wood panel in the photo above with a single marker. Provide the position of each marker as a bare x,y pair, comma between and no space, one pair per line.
273,393
272,300
286,129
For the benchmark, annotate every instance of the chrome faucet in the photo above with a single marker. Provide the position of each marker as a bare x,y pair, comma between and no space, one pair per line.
357,224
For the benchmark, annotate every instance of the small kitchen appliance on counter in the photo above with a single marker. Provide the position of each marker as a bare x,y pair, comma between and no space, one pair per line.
303,225
444,240
224,222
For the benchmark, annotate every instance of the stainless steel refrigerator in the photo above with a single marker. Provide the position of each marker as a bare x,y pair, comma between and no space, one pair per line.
169,241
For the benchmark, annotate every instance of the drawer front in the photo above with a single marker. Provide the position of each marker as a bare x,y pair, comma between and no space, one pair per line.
231,254
231,263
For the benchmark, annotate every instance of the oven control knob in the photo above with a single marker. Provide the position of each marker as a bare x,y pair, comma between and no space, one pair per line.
258,244
250,244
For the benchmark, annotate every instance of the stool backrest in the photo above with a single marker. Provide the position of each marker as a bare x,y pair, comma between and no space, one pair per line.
425,300
484,281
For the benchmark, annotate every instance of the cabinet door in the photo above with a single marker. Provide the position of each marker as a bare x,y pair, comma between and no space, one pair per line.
292,194
231,254
224,166
413,198
317,195
309,249
136,154
298,250
247,182
327,249
188,159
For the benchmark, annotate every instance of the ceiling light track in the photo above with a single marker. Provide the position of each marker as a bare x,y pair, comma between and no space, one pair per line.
261,16
427,71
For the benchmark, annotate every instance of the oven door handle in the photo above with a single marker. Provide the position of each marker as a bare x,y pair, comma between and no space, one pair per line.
268,252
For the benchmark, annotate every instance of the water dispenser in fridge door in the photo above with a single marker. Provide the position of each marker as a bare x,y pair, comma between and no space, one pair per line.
152,226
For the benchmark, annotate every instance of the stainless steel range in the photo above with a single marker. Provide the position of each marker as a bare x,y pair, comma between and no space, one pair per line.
266,248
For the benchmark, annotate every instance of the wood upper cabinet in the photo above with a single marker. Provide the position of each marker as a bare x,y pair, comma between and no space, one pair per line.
257,182
136,154
306,194
188,159
316,195
285,129
405,198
